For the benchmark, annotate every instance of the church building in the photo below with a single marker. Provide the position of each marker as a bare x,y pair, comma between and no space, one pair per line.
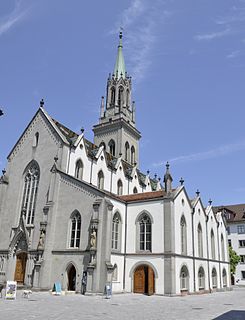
70,207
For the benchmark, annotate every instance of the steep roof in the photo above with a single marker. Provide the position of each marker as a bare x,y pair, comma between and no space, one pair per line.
237,211
119,69
143,196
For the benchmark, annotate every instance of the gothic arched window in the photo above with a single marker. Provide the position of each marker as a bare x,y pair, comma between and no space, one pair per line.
222,248
112,147
116,232
79,170
113,96
119,187
132,155
31,181
114,273
101,180
144,228
135,190
212,245
224,277
128,98
127,151
200,241
120,96
184,279
183,235
214,278
75,230
201,279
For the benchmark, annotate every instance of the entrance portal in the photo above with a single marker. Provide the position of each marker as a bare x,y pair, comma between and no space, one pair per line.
144,280
20,268
71,274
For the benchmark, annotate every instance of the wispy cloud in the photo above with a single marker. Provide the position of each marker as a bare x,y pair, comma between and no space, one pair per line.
233,54
210,154
140,21
213,35
18,13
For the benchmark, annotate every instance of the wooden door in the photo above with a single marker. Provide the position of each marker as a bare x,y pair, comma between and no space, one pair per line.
20,267
150,281
139,280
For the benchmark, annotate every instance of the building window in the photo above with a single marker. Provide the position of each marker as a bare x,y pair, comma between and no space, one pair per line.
116,230
127,151
201,278
228,230
241,229
183,235
115,273
243,275
224,277
35,140
241,243
214,278
120,97
112,147
119,187
212,245
75,230
128,98
113,95
101,180
132,155
135,190
184,279
31,181
79,170
242,259
222,248
145,232
200,241
229,242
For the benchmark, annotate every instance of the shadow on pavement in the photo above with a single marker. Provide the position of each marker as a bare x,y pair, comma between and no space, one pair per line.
233,314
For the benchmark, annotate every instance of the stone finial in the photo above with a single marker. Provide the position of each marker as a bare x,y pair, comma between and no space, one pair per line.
82,130
41,103
182,181
3,172
148,172
155,176
197,193
210,202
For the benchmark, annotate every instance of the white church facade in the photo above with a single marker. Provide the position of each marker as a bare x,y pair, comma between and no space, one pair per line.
70,207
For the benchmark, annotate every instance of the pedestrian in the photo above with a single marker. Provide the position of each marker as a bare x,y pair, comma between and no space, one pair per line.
84,282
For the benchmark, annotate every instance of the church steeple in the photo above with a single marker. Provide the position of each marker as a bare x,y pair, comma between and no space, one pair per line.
117,126
119,70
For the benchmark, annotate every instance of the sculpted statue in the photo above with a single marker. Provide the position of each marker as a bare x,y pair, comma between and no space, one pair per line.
93,239
41,239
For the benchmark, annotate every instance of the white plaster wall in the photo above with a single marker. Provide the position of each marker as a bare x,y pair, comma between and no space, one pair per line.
117,286
200,217
212,224
155,208
179,210
156,262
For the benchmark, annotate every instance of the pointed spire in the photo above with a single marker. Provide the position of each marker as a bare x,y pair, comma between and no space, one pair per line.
119,70
168,179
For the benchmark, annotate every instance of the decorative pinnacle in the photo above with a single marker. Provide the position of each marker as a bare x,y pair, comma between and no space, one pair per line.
148,171
41,103
197,193
181,181
82,130
167,165
3,171
155,175
210,202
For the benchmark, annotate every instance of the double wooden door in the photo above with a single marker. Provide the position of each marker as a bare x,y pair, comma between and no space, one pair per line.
20,267
144,280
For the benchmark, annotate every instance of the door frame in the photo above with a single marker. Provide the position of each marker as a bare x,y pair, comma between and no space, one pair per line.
24,262
146,277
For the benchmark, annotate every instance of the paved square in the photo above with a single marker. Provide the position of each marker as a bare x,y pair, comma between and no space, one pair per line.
42,305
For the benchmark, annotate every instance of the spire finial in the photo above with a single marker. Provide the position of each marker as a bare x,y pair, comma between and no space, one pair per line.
41,103
120,65
210,202
181,181
197,193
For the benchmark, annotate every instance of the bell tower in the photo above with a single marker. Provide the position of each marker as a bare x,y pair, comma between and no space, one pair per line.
116,129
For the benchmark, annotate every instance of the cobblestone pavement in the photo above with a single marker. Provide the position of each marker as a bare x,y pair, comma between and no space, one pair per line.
42,305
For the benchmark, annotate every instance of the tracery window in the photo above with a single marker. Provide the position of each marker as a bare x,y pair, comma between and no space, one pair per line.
116,230
224,277
113,95
120,96
183,235
75,230
101,180
119,187
127,151
200,241
145,232
31,181
214,278
222,247
112,147
132,155
79,170
184,278
201,278
212,245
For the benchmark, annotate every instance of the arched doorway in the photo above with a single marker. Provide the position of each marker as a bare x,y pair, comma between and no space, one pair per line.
71,275
20,268
144,280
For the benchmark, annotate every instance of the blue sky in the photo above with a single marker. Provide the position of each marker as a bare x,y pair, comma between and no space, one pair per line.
187,60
